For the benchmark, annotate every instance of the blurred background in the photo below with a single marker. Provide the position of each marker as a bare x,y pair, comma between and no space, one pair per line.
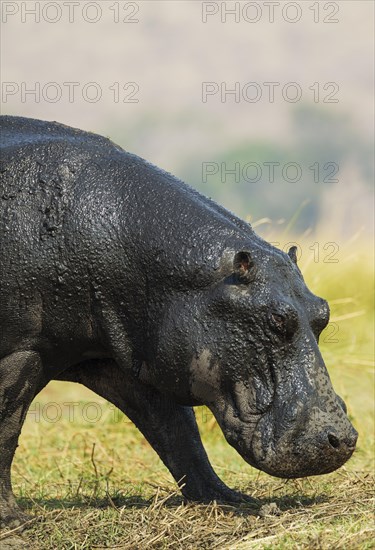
265,107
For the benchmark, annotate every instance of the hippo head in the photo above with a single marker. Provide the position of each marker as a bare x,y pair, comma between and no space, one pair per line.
250,346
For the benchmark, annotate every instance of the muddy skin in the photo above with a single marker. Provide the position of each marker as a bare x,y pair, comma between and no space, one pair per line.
116,275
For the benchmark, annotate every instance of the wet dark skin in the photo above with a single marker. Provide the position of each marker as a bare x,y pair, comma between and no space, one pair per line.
117,275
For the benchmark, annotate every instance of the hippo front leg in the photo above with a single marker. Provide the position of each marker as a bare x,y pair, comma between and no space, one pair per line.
170,428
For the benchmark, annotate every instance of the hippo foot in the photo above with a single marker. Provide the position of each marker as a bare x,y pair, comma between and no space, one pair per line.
15,519
221,494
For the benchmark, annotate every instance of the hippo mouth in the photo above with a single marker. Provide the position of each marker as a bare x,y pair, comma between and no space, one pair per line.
238,427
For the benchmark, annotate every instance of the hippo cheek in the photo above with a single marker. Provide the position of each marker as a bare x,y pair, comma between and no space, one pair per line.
204,377
323,445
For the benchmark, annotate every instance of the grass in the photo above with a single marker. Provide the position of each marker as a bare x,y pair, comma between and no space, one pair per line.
93,482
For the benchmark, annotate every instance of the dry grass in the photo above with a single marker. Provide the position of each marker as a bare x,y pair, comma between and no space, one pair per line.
334,513
95,485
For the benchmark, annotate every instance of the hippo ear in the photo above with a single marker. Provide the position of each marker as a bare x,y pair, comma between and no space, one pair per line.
293,254
243,266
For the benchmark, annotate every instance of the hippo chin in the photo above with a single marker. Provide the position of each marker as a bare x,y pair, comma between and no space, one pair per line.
116,275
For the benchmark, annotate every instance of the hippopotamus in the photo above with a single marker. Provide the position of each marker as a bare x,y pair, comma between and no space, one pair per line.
118,276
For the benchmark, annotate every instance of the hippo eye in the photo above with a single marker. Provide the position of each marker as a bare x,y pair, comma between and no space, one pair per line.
284,324
278,321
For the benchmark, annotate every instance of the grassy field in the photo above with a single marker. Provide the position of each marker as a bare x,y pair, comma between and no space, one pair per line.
94,482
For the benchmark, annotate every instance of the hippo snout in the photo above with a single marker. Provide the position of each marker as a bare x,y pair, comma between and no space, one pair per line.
325,452
323,445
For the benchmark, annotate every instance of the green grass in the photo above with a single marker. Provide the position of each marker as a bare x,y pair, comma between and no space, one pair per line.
100,485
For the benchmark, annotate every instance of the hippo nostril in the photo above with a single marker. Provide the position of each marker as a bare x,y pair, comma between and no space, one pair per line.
334,441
